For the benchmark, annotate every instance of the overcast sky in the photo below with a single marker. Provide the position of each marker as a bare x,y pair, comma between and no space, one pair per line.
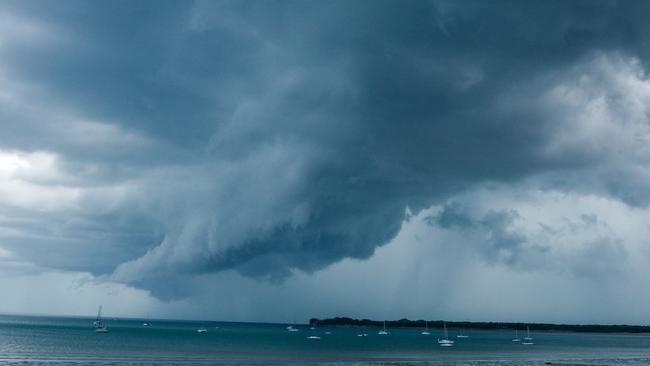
271,161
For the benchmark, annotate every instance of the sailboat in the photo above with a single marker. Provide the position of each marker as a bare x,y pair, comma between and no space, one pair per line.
146,323
202,330
313,334
291,328
461,335
99,326
445,342
527,339
383,331
426,328
516,338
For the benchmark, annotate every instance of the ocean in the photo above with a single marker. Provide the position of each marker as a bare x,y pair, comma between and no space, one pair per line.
27,340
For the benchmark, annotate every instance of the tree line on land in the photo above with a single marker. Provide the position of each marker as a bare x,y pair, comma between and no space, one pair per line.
548,327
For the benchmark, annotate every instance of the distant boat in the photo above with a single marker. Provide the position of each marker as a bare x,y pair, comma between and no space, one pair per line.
328,332
202,330
383,331
516,338
146,323
426,328
445,341
313,334
461,335
527,339
291,327
362,335
99,326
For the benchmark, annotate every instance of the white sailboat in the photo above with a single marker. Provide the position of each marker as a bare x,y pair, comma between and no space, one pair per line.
291,327
426,328
146,323
99,326
313,334
527,339
383,331
516,338
445,341
202,330
461,335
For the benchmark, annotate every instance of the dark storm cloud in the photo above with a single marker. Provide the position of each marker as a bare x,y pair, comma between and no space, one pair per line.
451,215
498,241
269,137
583,245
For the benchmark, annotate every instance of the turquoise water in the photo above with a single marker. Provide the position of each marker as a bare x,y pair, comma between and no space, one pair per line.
72,341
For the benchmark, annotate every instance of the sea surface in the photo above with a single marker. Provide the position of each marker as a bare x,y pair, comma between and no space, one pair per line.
72,341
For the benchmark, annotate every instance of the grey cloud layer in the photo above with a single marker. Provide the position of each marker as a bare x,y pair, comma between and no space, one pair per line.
581,244
269,137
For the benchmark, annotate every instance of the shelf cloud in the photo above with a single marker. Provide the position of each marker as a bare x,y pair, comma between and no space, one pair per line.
151,143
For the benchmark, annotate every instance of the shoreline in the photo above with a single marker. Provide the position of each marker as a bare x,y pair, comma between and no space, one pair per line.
345,322
467,325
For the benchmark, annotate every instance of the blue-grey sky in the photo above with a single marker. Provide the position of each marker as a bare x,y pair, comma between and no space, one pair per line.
271,160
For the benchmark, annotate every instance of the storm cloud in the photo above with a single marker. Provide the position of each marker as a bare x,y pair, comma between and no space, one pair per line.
152,142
